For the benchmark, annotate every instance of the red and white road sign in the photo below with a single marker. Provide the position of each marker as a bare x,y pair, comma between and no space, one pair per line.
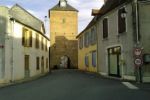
138,62
137,51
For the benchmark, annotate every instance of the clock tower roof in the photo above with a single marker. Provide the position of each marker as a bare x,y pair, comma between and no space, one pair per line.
63,7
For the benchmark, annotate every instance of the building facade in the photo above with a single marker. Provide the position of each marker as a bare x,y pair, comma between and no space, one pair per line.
23,45
123,26
63,31
87,48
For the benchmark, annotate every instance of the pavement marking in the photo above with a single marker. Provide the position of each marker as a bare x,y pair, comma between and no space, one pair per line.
130,86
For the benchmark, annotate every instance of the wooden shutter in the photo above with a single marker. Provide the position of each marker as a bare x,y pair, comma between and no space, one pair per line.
121,21
30,39
37,63
37,41
23,36
105,28
26,62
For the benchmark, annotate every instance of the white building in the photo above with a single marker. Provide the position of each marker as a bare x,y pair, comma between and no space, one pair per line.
24,48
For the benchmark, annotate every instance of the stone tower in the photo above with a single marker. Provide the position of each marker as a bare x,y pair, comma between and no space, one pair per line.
63,32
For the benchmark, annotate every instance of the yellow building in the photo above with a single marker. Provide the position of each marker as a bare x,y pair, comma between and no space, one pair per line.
63,32
87,48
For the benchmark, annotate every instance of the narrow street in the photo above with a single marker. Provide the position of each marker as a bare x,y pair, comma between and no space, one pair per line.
73,85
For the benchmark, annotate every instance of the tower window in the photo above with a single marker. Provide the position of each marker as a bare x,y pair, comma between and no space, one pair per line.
64,20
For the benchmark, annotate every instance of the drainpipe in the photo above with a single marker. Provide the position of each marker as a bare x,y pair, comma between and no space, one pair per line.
138,70
12,56
137,22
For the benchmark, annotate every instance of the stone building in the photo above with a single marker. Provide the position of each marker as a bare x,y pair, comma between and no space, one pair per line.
63,31
23,45
123,28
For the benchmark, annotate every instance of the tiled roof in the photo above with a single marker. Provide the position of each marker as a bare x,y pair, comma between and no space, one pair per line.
67,8
24,17
92,22
20,14
110,5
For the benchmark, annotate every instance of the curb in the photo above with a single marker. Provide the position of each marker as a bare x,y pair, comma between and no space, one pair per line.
3,85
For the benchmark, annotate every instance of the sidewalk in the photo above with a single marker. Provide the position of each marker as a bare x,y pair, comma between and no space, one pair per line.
22,81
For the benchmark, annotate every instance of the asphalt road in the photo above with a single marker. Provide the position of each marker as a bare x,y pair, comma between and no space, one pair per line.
73,85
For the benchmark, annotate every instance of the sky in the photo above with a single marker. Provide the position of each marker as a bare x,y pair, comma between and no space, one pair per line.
39,8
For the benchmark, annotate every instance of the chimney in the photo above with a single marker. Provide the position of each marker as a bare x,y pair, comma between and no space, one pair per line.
95,12
105,1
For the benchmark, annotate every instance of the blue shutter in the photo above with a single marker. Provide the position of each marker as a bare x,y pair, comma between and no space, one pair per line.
94,58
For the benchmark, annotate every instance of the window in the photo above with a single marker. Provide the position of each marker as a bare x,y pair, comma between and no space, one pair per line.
37,41
93,36
121,20
26,37
46,62
86,41
86,61
42,62
37,63
81,42
26,62
89,38
63,20
105,28
94,58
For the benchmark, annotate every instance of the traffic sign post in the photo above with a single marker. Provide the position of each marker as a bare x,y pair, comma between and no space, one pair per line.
138,52
138,62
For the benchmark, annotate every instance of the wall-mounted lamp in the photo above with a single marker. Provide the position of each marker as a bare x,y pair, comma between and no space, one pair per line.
123,14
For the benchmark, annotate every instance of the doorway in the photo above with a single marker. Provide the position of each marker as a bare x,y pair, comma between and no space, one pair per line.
42,65
114,56
26,66
64,62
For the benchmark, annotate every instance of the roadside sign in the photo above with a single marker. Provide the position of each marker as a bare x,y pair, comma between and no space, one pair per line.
138,62
137,51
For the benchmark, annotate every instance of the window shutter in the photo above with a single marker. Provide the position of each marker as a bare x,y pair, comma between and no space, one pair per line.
121,21
30,39
23,36
105,28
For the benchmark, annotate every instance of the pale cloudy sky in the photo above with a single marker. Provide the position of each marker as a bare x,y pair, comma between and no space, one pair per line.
40,8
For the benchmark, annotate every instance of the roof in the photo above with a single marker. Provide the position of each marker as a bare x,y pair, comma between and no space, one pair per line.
92,22
24,17
110,5
67,8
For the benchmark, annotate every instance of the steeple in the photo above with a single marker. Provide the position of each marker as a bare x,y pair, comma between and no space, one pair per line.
62,3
